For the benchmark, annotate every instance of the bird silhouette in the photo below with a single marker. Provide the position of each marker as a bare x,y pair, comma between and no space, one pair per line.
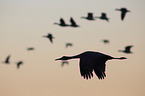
103,17
19,63
127,49
64,62
50,37
73,23
92,61
30,48
105,41
123,12
7,61
89,17
62,23
68,44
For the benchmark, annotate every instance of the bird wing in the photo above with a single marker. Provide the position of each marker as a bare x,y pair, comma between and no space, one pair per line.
72,22
123,15
50,38
7,59
62,22
99,68
86,68
127,48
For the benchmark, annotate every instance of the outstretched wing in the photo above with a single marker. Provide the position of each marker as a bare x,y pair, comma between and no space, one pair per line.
86,68
72,22
127,48
99,68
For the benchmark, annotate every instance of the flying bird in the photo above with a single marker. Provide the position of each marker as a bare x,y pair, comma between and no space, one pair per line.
30,48
92,61
89,17
105,41
62,23
68,44
64,62
7,61
50,37
127,49
19,63
73,23
104,17
123,12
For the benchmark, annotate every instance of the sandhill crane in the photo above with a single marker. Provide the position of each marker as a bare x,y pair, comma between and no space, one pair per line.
64,62
127,49
30,48
89,17
68,44
62,23
7,61
19,63
103,17
73,23
91,61
50,37
105,41
123,12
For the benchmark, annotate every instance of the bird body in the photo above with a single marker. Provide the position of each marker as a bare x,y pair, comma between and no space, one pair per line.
127,49
91,61
89,17
62,23
19,63
123,12
104,17
73,23
50,37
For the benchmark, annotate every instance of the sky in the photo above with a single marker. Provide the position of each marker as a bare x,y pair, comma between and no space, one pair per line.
24,22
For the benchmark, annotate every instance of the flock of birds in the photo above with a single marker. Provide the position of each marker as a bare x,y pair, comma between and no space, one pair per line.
89,61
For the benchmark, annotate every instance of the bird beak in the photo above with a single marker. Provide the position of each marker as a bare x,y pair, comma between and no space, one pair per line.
58,59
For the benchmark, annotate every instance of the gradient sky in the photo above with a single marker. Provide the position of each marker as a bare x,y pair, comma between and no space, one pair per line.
24,22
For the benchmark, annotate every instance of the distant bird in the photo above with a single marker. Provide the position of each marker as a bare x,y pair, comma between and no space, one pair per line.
62,23
64,62
105,41
7,61
69,44
127,49
30,48
19,63
104,17
123,12
91,61
73,23
89,17
50,37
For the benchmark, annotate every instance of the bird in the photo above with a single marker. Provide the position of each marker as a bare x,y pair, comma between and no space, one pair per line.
30,48
103,17
64,62
91,61
89,17
62,23
127,49
105,41
123,12
7,61
50,37
19,63
68,44
73,23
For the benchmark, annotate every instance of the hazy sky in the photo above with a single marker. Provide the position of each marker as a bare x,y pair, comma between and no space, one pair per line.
23,23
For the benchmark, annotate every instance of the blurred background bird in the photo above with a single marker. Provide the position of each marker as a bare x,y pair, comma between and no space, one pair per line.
105,41
50,37
64,62
127,49
68,45
30,48
62,23
89,17
103,17
123,12
73,23
19,63
7,60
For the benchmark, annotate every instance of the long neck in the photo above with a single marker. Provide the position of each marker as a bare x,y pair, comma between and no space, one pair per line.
119,58
73,57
